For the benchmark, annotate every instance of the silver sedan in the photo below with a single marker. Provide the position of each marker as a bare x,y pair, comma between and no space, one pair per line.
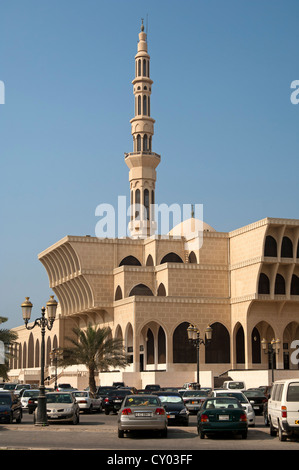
62,406
142,412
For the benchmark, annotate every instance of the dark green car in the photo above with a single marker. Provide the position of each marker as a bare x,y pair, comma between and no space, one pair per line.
222,414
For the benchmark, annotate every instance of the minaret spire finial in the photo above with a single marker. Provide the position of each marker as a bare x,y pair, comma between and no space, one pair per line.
142,25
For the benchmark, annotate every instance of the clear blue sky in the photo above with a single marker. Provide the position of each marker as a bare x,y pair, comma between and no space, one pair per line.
225,126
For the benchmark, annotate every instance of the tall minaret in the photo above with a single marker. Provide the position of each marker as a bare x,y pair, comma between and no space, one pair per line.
142,162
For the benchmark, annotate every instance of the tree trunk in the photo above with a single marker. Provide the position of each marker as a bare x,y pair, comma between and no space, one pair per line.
92,382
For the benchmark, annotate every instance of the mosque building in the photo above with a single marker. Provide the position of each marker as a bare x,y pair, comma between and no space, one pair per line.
149,288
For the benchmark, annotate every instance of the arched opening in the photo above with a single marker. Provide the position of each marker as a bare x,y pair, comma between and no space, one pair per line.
118,293
144,67
150,347
256,346
141,289
295,285
286,248
137,202
192,257
144,105
280,288
30,351
145,143
146,202
161,290
218,351
183,350
161,346
270,247
240,346
171,258
130,261
264,284
37,354
138,142
149,261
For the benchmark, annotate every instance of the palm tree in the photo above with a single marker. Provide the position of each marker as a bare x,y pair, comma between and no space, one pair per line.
94,348
7,338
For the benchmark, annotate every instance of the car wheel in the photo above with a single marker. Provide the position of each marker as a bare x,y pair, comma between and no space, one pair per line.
200,433
281,436
244,435
76,419
106,412
90,409
19,418
266,420
120,433
164,433
273,431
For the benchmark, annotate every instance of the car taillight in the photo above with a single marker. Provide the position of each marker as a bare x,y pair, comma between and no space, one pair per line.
204,418
30,401
106,400
82,401
243,417
160,411
126,411
284,412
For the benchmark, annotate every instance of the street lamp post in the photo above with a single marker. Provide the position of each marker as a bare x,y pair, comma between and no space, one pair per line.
273,348
194,337
43,323
55,354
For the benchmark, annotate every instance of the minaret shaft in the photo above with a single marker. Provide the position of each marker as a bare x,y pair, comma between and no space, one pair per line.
142,162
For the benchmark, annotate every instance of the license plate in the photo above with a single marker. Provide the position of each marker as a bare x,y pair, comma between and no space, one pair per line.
223,417
170,416
143,414
256,407
118,401
194,402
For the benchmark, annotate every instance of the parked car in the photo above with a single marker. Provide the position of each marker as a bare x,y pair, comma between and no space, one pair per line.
87,402
234,385
242,399
19,387
62,406
10,407
9,386
222,414
175,408
152,388
193,399
65,388
257,399
26,396
283,409
114,399
102,392
142,413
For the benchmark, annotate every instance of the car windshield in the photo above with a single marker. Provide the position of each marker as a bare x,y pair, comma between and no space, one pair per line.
195,393
59,398
5,399
170,399
293,392
238,396
80,394
31,393
9,387
226,403
235,385
253,393
142,401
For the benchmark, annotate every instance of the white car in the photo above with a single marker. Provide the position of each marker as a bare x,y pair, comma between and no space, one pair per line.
86,402
242,399
61,406
26,395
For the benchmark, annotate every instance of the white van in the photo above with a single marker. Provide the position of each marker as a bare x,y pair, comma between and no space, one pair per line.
283,408
234,385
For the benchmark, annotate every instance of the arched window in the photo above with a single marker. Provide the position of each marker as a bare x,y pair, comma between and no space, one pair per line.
161,290
150,347
130,261
149,261
144,67
137,202
255,346
295,285
150,149
144,105
240,346
145,142
183,350
280,287
171,258
192,257
298,249
139,67
139,105
118,293
138,143
264,284
149,106
140,289
270,246
146,202
286,248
